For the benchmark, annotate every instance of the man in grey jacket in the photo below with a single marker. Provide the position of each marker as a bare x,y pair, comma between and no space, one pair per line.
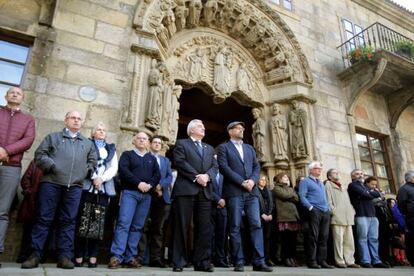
66,159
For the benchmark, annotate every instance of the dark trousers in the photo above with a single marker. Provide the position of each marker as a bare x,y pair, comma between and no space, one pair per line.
318,235
154,235
52,198
409,240
219,217
288,244
197,207
266,226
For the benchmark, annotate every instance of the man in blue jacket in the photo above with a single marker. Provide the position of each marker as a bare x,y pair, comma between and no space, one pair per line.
241,170
366,222
160,207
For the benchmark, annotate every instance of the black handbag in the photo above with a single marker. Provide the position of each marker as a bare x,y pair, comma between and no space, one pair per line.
92,221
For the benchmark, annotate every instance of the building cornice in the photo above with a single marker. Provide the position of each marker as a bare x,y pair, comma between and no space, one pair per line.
391,11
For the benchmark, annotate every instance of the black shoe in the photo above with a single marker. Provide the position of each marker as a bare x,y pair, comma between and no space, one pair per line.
239,268
366,265
263,268
313,265
31,262
270,263
92,265
221,264
288,263
65,263
381,265
157,263
209,268
324,264
177,269
78,264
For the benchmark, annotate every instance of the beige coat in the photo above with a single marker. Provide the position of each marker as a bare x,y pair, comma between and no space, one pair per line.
342,211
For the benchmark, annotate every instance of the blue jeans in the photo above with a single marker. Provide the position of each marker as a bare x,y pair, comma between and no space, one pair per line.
133,211
53,197
367,239
235,207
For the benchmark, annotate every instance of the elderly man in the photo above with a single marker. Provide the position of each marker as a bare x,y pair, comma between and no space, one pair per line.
66,159
405,199
192,196
341,221
139,173
365,220
17,133
313,197
241,170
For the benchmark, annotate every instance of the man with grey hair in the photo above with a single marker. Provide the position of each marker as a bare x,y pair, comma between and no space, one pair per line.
17,133
66,159
405,199
192,196
313,197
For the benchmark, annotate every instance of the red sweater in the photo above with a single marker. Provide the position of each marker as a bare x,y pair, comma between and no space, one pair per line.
17,133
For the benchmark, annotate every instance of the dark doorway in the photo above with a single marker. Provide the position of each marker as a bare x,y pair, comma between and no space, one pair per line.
195,104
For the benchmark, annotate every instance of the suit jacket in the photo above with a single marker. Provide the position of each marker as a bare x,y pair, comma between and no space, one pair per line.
166,178
190,163
217,188
235,170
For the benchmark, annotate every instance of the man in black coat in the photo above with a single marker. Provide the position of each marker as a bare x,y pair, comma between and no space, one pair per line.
192,195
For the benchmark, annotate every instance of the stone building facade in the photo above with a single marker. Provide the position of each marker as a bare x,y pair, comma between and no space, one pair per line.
152,65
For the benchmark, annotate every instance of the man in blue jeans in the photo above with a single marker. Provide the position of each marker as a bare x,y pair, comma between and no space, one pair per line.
241,171
366,222
66,159
139,173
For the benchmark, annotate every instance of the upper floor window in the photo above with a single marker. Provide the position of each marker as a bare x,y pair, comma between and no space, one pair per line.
352,30
13,59
375,160
287,4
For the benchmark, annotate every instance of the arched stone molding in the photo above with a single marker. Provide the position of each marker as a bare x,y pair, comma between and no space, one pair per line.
398,102
253,23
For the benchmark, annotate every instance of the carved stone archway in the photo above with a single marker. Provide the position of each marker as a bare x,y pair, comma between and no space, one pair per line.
240,48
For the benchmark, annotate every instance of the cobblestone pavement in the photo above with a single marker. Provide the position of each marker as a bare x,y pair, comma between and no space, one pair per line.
13,269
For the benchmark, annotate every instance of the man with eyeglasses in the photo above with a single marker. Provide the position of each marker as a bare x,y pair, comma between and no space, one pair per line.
66,159
366,222
17,133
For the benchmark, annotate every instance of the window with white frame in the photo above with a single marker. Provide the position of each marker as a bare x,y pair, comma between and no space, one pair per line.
353,34
286,4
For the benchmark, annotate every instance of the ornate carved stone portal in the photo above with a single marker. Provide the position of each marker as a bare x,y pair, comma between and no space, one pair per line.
239,49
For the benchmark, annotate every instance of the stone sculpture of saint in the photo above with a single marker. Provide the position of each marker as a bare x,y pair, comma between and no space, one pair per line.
298,132
181,13
222,72
279,134
259,132
209,11
153,118
194,8
196,64
243,80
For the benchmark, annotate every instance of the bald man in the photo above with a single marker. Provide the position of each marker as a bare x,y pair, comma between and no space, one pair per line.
17,133
66,159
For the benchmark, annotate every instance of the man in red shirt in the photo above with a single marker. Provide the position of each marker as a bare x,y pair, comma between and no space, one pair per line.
17,133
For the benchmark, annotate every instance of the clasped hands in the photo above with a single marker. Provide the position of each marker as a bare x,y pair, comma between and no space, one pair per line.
144,187
202,179
248,184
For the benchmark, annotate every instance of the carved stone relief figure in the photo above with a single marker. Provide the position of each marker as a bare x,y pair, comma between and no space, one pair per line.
242,22
169,16
275,61
194,7
279,134
298,132
181,13
243,80
222,72
209,11
255,34
197,64
175,107
153,118
259,132
225,13
162,34
280,74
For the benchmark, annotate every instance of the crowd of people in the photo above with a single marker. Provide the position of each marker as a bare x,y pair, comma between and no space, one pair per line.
206,208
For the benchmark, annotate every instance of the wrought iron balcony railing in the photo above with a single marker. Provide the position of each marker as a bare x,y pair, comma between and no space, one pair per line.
374,38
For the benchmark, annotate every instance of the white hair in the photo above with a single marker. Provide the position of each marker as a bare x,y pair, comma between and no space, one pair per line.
67,115
314,164
98,125
192,124
408,176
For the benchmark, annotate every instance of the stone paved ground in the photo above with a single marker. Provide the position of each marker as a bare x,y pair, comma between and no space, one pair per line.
13,269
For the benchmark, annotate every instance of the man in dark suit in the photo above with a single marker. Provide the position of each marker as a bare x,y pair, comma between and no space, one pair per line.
192,195
160,208
240,168
219,219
